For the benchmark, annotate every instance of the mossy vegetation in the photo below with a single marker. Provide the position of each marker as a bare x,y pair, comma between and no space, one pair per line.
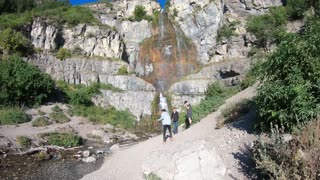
23,141
62,139
12,115
41,122
58,12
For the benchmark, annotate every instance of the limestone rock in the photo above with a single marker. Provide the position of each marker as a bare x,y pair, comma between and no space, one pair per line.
115,147
86,153
137,102
199,20
193,160
89,159
98,133
85,39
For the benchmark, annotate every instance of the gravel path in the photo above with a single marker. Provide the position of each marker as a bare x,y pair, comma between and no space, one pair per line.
228,142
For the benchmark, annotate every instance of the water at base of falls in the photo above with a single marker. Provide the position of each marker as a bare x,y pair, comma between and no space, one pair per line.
163,103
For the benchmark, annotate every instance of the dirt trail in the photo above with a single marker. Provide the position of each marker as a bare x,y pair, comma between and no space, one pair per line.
127,163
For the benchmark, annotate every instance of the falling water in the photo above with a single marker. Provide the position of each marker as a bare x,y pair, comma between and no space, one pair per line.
163,103
181,44
161,27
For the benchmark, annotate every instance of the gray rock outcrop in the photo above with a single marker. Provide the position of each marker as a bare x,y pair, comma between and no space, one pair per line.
199,20
83,39
132,33
137,94
137,102
189,161
194,86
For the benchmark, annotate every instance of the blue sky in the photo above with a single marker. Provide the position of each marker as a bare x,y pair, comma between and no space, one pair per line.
77,2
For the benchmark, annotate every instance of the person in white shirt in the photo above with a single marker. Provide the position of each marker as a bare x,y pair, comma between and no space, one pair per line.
166,122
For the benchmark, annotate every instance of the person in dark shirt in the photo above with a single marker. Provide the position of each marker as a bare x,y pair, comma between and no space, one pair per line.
175,119
188,120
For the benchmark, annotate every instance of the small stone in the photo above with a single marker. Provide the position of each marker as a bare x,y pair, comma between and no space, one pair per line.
90,147
86,153
287,137
99,152
89,159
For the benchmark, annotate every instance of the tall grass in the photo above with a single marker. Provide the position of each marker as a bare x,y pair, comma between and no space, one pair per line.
12,115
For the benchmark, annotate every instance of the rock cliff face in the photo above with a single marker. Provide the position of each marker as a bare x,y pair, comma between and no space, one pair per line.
137,94
132,33
223,59
84,39
199,20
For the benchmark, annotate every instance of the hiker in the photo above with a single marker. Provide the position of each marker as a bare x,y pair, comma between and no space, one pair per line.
166,122
175,119
188,120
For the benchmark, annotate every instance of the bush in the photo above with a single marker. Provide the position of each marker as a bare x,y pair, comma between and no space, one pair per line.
59,117
81,94
58,12
41,122
12,115
63,54
122,71
297,159
110,115
21,83
215,96
289,95
63,139
268,27
14,42
227,31
296,8
24,141
140,13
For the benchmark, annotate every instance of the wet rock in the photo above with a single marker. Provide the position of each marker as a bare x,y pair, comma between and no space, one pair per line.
99,152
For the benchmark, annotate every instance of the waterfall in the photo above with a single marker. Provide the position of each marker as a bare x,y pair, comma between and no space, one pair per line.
163,103
181,44
161,27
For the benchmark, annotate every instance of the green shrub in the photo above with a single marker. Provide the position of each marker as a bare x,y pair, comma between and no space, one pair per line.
227,31
296,8
21,83
63,139
122,71
267,27
23,141
110,115
56,108
289,95
14,42
41,122
215,96
139,12
58,12
59,117
81,94
12,115
152,176
63,54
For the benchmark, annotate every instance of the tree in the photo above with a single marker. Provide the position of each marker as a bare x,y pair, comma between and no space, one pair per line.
14,42
21,83
290,92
